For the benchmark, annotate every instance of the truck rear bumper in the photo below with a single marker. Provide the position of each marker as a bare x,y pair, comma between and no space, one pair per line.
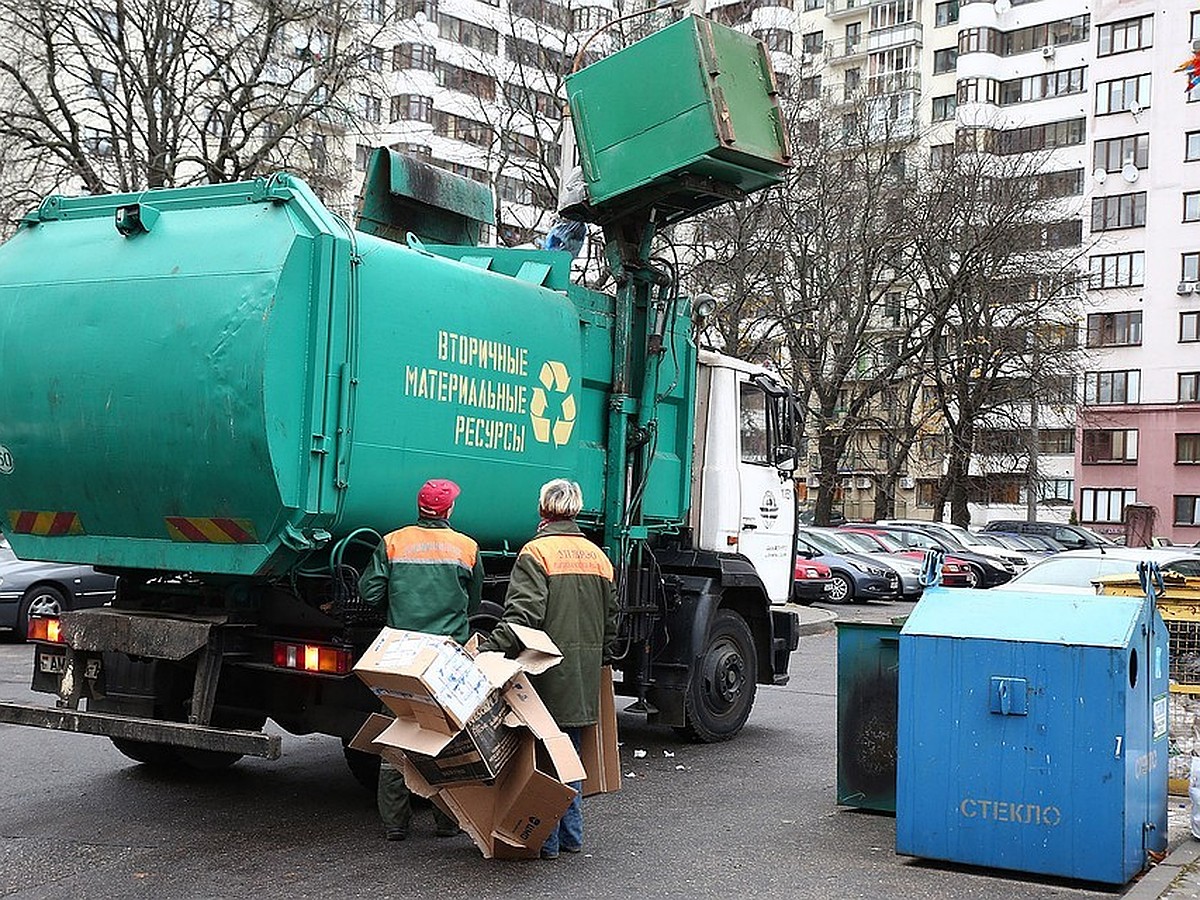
152,731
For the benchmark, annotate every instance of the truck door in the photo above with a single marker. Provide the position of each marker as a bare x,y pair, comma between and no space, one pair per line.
767,500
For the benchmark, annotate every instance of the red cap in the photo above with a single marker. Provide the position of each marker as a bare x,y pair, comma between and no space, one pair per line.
436,497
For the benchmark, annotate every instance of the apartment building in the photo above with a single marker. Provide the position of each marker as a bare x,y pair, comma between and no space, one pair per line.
475,86
1139,427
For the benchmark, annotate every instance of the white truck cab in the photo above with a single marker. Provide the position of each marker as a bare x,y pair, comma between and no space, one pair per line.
743,494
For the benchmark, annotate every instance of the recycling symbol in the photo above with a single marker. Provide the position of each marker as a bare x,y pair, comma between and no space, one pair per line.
554,382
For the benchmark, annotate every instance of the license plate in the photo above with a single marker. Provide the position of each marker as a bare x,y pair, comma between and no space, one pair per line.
54,665
92,669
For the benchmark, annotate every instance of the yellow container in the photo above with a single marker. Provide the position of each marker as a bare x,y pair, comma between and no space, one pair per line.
1179,606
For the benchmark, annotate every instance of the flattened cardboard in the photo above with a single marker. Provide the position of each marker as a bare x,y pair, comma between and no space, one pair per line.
540,652
598,744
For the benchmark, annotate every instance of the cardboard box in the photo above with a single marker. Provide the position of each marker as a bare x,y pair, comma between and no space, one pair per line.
598,747
425,679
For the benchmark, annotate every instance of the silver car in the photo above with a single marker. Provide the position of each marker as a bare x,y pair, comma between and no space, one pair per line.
29,589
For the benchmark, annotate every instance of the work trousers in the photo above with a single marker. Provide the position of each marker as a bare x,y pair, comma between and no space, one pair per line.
395,803
569,833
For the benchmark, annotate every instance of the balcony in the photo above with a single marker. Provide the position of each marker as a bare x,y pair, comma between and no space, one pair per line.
895,36
837,9
894,83
839,51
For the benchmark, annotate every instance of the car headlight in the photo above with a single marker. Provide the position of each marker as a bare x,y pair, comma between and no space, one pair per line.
870,570
811,573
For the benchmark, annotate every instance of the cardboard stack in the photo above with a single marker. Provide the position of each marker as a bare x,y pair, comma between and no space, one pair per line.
471,733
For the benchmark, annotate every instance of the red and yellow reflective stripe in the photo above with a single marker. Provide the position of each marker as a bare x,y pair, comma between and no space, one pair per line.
210,530
46,524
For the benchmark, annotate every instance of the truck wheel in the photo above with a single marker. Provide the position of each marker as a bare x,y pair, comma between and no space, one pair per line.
159,756
363,766
721,693
41,600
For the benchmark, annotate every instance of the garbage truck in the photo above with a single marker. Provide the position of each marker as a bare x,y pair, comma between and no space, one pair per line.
225,394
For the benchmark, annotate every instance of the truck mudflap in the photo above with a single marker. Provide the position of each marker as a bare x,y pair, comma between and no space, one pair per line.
151,731
785,638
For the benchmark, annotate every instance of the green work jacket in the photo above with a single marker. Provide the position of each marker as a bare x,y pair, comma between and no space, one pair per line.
429,576
562,583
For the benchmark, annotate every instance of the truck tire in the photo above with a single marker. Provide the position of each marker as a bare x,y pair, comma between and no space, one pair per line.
158,756
721,691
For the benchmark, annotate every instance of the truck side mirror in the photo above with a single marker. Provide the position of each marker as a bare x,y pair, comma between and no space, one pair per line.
785,458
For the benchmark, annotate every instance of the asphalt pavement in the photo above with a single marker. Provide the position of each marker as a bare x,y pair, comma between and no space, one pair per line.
753,817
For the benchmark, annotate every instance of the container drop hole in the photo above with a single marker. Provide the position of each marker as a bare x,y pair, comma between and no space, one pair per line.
1133,668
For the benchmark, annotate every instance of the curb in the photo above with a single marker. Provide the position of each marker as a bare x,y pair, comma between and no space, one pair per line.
814,621
1158,880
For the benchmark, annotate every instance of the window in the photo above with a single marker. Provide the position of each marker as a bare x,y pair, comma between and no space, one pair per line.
810,5
468,81
1073,30
221,11
853,83
853,36
1121,37
809,43
1188,382
96,142
370,107
534,102
362,156
407,9
548,12
892,12
945,60
104,84
1056,490
945,13
1117,329
1189,327
412,108
1187,448
371,10
1187,509
1120,94
1115,270
943,108
372,59
1111,388
534,55
1191,206
809,88
476,37
1105,505
754,437
941,156
1119,211
1054,185
1041,87
1110,445
1191,151
1190,269
1065,133
590,18
1112,155
1056,441
419,151
421,57
462,128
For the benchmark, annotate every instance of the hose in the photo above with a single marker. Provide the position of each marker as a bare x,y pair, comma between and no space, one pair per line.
931,567
1150,577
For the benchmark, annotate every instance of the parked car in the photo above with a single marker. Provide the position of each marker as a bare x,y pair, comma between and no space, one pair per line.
959,538
1073,537
1030,551
854,578
956,572
29,588
1073,571
812,581
988,570
907,568
1041,543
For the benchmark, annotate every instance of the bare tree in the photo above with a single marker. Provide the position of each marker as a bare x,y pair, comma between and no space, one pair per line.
123,95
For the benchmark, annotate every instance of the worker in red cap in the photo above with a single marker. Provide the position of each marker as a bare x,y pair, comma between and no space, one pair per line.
430,577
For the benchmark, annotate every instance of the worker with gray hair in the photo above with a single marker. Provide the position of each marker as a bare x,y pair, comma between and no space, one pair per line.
562,583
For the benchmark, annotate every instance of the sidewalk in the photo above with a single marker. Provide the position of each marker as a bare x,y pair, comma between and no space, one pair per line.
1175,878
812,619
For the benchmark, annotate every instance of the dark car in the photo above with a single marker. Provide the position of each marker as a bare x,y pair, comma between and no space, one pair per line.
812,581
854,578
989,571
29,589
1072,537
956,573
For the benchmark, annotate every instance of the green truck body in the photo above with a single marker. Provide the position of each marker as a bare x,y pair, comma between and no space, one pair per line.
226,394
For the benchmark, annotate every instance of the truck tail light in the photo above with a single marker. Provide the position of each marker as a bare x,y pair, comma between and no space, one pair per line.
313,658
46,629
